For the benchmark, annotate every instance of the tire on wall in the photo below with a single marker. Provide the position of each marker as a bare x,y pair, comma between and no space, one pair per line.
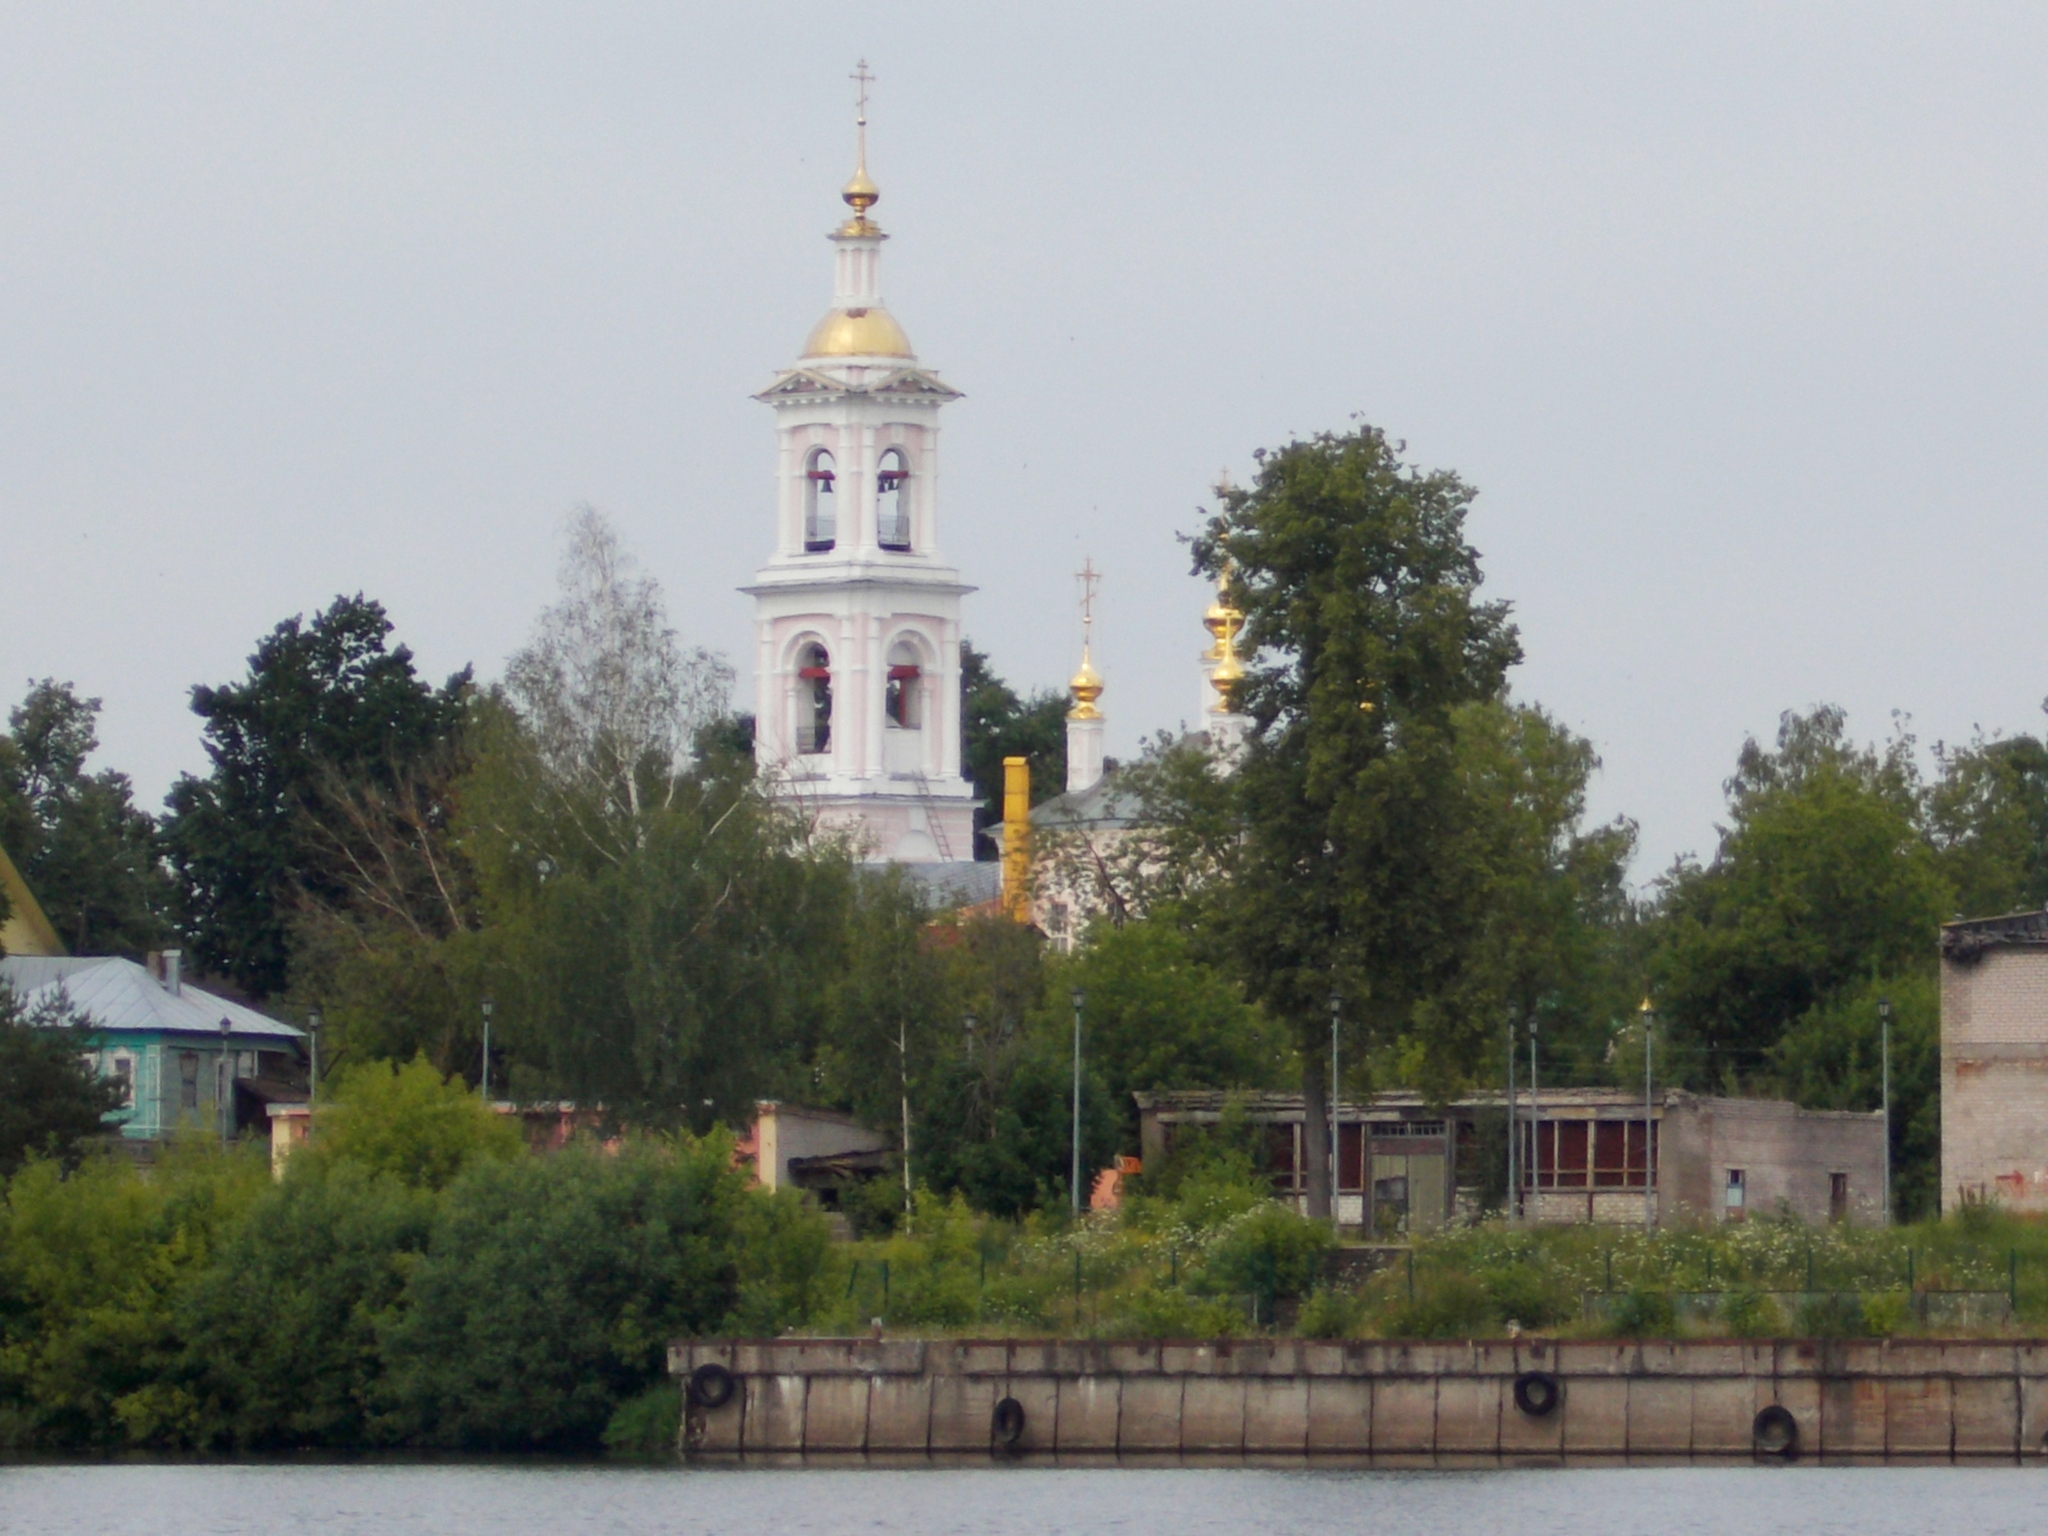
1537,1394
1006,1424
1775,1433
711,1386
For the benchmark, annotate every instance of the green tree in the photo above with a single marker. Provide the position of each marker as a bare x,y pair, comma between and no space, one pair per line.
410,1123
1822,881
327,711
550,1289
995,723
80,842
1361,608
1159,1016
1987,815
50,1101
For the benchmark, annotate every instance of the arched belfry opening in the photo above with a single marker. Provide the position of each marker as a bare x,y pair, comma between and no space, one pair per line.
813,700
892,501
821,507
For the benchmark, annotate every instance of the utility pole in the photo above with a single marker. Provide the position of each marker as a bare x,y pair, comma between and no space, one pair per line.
1649,1124
1884,1025
1336,1120
485,1088
1078,998
313,1045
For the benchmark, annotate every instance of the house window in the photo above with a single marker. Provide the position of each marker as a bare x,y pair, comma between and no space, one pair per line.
188,1080
1736,1199
814,700
821,513
1838,1197
892,501
124,1074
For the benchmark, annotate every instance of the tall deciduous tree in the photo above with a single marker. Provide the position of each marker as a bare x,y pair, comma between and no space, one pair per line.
327,709
50,1101
86,850
1352,876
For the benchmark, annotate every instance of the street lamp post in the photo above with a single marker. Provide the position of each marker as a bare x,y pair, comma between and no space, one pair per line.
1535,1206
1336,1118
1884,1026
1514,1126
1649,1123
485,1088
226,1084
1078,998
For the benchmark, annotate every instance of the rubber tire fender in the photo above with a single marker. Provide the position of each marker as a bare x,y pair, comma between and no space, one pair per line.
1006,1424
711,1385
1537,1394
1775,1432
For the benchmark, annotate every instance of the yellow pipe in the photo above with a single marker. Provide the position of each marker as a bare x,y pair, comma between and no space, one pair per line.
1017,839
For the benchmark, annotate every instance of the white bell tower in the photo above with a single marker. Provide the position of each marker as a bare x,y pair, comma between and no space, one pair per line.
856,614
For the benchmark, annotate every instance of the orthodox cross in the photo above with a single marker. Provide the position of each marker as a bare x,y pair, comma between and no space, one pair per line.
863,80
1088,579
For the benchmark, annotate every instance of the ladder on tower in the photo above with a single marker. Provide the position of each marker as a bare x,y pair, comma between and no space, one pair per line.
932,821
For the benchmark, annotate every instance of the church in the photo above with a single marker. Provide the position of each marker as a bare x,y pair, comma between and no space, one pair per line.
857,612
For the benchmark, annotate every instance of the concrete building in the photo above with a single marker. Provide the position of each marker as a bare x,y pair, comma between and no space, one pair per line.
1994,1062
183,1055
792,1146
1584,1155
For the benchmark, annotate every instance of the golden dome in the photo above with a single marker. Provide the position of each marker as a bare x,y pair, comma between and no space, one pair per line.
1086,687
1222,620
1229,672
858,333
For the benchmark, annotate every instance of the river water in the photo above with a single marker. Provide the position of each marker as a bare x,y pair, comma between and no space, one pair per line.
371,1499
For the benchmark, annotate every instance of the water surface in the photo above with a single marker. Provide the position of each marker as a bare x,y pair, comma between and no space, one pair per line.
371,1499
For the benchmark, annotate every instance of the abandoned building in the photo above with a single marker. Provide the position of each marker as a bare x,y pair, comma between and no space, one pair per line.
792,1146
1582,1155
1994,1062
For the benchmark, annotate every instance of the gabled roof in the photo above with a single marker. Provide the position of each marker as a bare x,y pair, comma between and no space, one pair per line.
1103,805
119,994
26,931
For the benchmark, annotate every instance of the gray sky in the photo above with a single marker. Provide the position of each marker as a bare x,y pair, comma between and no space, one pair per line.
1733,314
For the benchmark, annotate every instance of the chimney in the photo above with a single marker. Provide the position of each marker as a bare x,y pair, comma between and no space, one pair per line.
1017,839
171,978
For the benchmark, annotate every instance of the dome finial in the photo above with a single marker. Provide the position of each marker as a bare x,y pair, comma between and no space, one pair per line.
861,193
1224,621
1086,684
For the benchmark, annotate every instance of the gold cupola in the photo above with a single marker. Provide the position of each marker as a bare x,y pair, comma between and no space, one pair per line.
858,325
1086,687
1224,623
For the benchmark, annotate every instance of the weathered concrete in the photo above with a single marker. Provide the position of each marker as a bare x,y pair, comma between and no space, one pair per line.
1393,1403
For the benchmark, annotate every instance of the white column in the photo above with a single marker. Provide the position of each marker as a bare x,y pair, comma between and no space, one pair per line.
1084,752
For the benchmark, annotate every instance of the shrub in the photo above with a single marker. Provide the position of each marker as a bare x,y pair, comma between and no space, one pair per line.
1270,1253
648,1425
1830,1315
1748,1313
1330,1313
1640,1313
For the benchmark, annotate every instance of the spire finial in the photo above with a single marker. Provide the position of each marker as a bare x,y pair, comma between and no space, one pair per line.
861,193
1086,684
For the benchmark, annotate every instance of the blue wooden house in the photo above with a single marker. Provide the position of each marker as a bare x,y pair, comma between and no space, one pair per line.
183,1055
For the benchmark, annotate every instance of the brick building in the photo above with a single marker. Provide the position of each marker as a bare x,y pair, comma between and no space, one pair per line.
1994,1062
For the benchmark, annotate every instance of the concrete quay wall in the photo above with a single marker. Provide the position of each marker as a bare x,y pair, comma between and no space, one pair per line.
1386,1403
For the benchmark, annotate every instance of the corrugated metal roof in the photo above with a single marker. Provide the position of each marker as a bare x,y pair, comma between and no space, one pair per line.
120,994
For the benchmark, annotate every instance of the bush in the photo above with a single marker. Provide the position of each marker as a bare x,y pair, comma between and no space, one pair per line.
1270,1253
1449,1305
1830,1315
1169,1312
1640,1313
1529,1295
1330,1313
649,1425
1747,1313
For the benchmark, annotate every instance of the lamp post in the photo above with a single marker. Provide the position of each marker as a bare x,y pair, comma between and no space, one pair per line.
1649,1123
313,1048
1078,998
225,1088
485,1087
1514,1127
1336,1119
1535,1207
1884,1027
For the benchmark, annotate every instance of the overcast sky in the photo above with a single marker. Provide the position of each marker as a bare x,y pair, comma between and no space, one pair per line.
1734,316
